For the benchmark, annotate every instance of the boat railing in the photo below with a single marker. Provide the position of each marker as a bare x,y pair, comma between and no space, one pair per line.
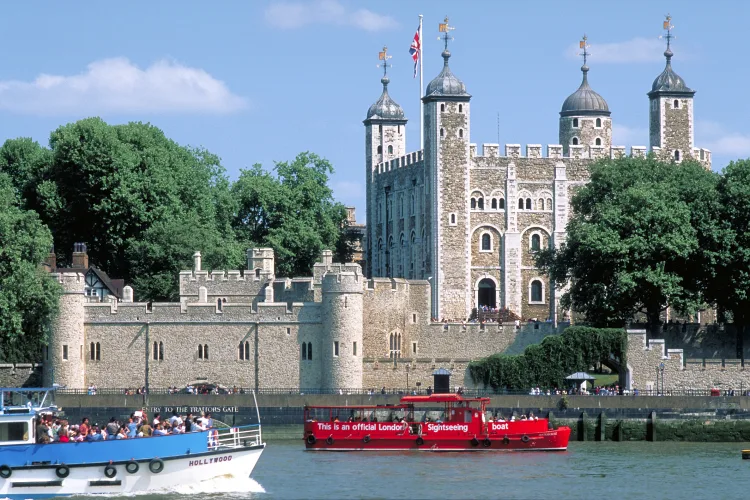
234,437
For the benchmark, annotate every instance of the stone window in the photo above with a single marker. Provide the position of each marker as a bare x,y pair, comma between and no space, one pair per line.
549,203
460,108
442,108
309,351
304,351
480,203
414,317
335,348
574,141
202,351
65,352
390,150
486,243
395,346
452,219
598,141
414,348
703,155
244,351
380,150
501,204
677,155
473,203
354,349
676,104
540,204
288,331
218,305
95,351
442,133
493,204
528,203
536,243
412,205
536,292
520,203
460,133
575,122
598,123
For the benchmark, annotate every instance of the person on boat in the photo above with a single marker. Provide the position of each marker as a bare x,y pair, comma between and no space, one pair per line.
95,434
132,428
62,432
336,418
42,432
157,420
145,429
158,431
189,422
175,418
85,427
122,433
198,425
112,428
209,421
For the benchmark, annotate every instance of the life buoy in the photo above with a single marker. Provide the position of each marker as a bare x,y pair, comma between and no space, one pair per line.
110,471
132,467
311,439
156,465
506,440
486,443
62,471
366,439
525,438
329,440
420,441
5,471
474,441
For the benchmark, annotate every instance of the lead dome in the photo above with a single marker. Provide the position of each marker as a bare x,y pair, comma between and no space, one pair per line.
584,101
385,108
446,83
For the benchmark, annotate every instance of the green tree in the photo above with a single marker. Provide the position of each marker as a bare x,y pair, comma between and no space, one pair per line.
292,212
28,295
633,243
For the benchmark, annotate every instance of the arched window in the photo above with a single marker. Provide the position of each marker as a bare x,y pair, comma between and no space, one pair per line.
598,142
486,242
549,203
380,150
528,203
205,351
92,351
156,351
676,104
453,218
540,204
245,351
501,204
460,108
98,351
390,150
676,155
309,351
598,123
480,203
442,108
473,203
442,132
536,242
200,351
394,345
460,133
574,141
520,203
218,305
575,122
161,351
493,204
536,291
304,350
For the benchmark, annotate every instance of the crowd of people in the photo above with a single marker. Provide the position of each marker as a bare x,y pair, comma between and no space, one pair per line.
50,429
613,390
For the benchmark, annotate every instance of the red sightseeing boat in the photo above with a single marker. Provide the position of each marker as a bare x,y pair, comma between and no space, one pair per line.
462,425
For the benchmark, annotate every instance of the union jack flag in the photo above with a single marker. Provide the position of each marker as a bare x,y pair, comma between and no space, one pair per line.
415,50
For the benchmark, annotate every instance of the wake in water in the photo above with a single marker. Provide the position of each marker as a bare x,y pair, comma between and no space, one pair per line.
228,486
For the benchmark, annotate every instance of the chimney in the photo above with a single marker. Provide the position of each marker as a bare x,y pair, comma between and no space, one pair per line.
51,260
196,262
80,257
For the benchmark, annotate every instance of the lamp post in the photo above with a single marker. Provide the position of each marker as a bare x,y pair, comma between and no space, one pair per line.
407,378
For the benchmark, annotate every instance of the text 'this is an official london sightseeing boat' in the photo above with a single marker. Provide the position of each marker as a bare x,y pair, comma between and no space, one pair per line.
41,470
462,425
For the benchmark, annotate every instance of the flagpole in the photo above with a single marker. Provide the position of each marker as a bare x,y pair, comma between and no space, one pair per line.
421,85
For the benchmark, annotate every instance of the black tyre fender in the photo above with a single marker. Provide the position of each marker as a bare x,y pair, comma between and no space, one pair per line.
329,440
420,441
474,441
156,465
506,440
311,439
132,467
486,443
62,471
525,438
110,471
5,471
366,439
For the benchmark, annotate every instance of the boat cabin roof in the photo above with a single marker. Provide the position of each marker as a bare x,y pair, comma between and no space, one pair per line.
408,401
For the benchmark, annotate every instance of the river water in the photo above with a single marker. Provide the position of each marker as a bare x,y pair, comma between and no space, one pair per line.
586,470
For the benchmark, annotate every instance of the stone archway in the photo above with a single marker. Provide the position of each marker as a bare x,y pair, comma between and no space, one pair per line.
486,293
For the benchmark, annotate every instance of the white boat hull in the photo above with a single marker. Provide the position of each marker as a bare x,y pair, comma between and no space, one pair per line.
89,479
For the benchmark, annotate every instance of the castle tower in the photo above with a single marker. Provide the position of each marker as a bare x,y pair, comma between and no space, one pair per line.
585,117
447,138
671,109
385,139
341,350
64,360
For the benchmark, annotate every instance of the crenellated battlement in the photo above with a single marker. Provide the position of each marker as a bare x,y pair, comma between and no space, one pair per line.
70,281
415,158
555,151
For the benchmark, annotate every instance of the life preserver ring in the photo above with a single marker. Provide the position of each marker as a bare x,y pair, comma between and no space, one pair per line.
62,471
420,441
311,439
213,439
110,471
525,438
366,439
329,440
486,443
156,465
474,441
5,471
132,467
506,440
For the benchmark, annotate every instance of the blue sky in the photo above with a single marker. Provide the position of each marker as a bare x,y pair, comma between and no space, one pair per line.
259,81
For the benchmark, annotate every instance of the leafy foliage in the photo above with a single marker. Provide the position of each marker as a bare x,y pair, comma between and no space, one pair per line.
28,295
638,240
548,363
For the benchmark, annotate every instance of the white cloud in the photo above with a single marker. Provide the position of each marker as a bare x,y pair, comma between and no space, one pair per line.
637,50
290,15
629,136
720,141
118,85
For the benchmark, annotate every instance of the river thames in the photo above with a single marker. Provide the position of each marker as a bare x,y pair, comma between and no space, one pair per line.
587,470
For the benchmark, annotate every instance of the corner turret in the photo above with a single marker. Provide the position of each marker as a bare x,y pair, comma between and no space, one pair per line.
64,357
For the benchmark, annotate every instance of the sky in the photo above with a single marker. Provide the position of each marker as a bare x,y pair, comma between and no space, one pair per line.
259,82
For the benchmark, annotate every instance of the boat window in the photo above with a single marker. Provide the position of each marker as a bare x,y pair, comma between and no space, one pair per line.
14,431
